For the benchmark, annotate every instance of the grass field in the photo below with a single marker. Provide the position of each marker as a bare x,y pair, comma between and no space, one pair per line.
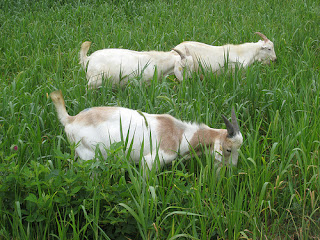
272,194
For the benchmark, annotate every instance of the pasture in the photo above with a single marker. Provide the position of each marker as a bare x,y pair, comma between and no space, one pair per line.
273,193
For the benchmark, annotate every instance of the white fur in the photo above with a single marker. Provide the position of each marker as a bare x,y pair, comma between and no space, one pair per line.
132,122
119,65
215,57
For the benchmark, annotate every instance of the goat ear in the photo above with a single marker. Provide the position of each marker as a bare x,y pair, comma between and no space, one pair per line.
180,53
234,121
230,128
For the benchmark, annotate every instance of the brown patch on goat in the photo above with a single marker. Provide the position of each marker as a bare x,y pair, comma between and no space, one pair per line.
170,134
93,116
206,137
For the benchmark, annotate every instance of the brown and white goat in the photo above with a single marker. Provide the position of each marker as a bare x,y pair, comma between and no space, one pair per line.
158,134
216,57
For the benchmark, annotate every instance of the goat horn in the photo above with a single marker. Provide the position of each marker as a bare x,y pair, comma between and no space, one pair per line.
262,36
230,128
180,53
234,121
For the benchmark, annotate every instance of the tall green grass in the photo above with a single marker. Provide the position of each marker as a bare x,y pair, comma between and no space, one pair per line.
272,194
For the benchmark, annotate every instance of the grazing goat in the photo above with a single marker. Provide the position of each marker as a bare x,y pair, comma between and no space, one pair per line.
150,134
118,65
215,57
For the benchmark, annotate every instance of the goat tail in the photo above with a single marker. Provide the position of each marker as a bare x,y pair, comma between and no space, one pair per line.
58,100
83,54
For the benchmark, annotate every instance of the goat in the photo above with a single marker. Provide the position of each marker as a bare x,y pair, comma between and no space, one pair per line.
119,65
215,57
150,134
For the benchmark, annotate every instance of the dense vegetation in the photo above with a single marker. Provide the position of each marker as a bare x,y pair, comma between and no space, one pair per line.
272,194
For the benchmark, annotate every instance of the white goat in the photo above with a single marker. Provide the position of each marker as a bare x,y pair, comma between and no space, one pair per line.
119,65
243,55
157,134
